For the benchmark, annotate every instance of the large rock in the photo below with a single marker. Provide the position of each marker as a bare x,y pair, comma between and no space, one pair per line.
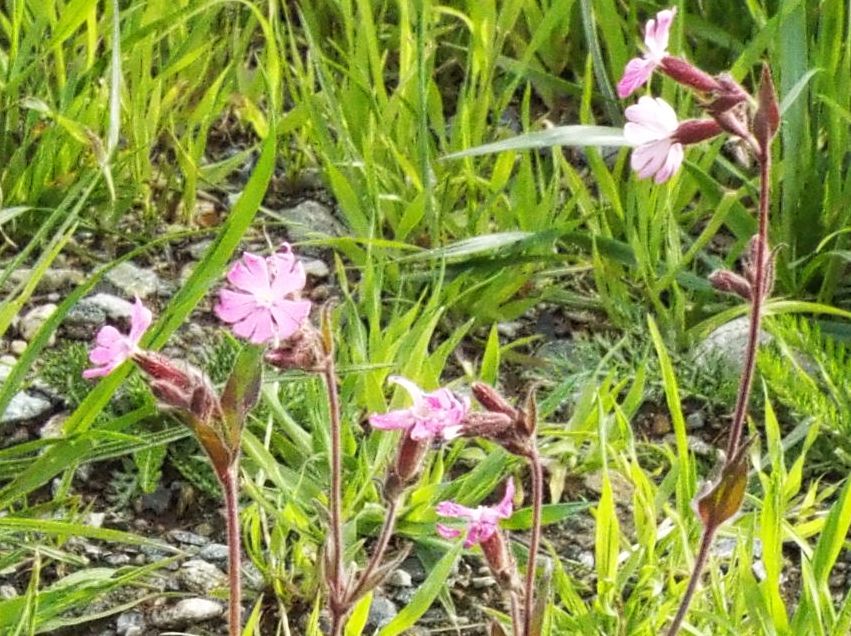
187,612
726,345
310,220
34,319
25,406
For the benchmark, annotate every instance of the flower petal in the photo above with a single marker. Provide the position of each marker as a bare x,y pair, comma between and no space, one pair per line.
289,316
506,506
287,274
657,32
140,319
250,274
452,509
637,72
446,532
393,420
673,161
648,159
234,306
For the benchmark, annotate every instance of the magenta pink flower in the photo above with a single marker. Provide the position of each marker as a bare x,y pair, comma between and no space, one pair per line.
483,521
112,348
266,309
437,415
652,128
639,69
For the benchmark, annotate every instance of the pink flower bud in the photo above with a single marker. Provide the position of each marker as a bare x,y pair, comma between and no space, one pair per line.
689,75
731,283
694,131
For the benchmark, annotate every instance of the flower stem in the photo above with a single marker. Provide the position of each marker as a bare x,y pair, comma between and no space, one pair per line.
759,288
378,552
697,571
230,484
534,540
516,621
336,587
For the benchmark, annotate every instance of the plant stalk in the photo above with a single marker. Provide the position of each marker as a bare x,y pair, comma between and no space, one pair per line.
380,548
697,571
534,540
336,587
230,484
516,620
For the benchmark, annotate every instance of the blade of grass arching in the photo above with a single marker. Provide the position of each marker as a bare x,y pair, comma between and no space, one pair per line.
57,459
577,136
425,594
792,57
11,308
615,43
684,467
65,529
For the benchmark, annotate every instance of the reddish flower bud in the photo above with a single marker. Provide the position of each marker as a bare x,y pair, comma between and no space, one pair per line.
689,75
500,562
303,350
489,398
694,131
750,269
179,385
409,460
767,117
731,283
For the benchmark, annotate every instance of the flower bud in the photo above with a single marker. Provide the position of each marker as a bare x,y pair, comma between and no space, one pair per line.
409,460
689,75
731,283
751,260
179,385
766,120
694,131
489,398
303,350
500,562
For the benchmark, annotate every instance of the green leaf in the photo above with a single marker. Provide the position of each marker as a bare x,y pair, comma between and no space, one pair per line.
242,391
424,596
558,136
359,616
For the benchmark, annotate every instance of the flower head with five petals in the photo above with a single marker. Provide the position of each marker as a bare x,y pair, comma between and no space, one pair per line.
112,347
639,69
483,521
438,415
265,307
652,126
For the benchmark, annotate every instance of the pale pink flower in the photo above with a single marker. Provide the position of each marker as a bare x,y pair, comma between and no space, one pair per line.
483,520
266,307
112,347
639,69
438,415
652,128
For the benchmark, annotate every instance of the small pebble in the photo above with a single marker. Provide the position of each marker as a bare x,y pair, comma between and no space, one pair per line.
187,612
18,347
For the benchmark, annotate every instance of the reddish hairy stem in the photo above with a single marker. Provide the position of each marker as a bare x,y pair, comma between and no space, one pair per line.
230,484
335,577
516,621
534,540
699,564
380,549
757,299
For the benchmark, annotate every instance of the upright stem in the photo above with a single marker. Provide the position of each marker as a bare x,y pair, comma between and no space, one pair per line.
697,571
380,549
516,621
230,483
335,580
759,288
534,540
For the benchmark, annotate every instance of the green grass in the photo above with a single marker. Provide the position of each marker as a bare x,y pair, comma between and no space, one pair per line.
376,95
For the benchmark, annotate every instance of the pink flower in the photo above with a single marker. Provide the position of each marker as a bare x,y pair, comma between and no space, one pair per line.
483,521
437,415
113,348
266,308
652,127
639,69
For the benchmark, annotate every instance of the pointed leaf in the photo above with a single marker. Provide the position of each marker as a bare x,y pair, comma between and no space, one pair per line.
558,136
242,391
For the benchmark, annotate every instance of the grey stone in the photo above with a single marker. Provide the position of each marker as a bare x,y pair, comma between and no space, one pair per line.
200,577
197,250
8,592
83,321
400,578
482,582
315,267
381,611
18,347
25,407
51,281
214,552
32,321
726,345
52,429
309,220
133,280
114,307
117,560
186,612
130,623
695,421
187,538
